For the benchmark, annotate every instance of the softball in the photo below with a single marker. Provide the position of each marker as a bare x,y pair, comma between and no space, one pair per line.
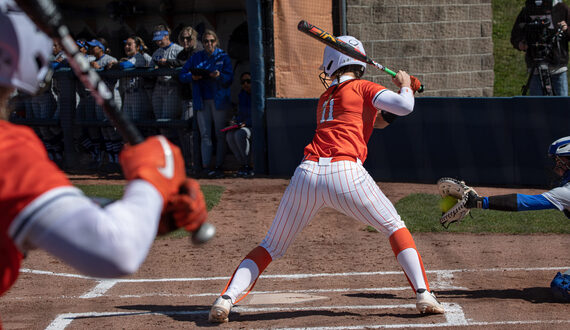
205,233
446,203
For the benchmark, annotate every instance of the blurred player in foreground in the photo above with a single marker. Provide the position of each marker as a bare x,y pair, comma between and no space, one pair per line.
41,209
557,198
331,175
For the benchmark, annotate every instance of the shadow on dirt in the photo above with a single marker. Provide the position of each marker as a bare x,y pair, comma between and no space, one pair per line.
536,295
196,314
374,296
199,314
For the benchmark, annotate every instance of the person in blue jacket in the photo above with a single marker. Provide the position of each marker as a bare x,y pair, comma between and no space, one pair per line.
211,74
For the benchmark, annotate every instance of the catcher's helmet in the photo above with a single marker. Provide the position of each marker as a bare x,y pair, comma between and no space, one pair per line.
24,50
560,147
333,59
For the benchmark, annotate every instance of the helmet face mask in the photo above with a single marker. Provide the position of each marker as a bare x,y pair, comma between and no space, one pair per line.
24,51
559,151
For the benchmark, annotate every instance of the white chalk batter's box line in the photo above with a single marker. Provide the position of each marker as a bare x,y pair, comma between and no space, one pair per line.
454,316
442,281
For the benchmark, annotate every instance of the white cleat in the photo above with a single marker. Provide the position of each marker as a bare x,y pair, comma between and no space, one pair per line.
220,310
426,303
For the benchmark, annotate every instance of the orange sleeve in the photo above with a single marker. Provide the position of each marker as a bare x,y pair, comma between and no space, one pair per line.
27,171
369,90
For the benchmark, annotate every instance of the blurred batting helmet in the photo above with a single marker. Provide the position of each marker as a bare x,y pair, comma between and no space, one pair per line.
560,147
24,50
333,59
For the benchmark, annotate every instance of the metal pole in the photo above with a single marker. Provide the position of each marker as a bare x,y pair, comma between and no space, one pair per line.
343,17
257,65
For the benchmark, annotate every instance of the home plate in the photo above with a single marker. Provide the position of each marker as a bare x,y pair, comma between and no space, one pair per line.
281,298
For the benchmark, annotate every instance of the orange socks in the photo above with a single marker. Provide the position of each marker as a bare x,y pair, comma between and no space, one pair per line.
409,258
247,273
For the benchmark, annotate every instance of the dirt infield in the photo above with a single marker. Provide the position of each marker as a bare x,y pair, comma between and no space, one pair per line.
336,275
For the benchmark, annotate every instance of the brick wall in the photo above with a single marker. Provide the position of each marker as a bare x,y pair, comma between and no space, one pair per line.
447,44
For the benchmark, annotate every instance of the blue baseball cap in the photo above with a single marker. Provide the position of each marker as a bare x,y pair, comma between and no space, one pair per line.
158,35
96,43
80,43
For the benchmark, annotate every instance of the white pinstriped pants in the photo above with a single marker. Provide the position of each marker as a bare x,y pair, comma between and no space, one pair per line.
345,186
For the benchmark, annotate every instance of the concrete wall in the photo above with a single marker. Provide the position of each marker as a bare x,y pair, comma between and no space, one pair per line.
447,44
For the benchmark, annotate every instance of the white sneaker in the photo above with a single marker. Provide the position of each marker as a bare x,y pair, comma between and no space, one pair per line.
426,303
220,309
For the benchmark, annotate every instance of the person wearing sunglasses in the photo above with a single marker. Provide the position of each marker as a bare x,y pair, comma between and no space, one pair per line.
189,136
211,74
239,138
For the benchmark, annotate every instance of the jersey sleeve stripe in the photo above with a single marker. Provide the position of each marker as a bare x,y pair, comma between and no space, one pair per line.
377,95
22,222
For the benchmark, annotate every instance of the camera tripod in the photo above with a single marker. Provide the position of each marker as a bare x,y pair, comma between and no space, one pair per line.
543,76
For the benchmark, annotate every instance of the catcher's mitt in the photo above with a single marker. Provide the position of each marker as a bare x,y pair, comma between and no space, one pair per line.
464,195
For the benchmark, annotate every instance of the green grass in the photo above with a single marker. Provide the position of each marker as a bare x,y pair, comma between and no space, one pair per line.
212,194
510,68
421,214
104,191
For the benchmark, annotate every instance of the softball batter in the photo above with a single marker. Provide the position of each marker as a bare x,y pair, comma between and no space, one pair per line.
331,175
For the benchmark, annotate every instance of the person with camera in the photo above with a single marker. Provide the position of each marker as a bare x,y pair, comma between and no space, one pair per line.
541,31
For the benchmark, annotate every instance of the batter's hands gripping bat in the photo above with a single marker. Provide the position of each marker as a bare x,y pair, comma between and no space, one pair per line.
349,50
48,18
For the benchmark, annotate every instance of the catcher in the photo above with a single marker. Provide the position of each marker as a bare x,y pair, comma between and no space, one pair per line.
557,198
42,209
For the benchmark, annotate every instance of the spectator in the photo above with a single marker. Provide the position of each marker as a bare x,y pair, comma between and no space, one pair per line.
189,136
166,94
136,104
82,45
81,134
43,106
100,50
550,53
106,135
239,138
211,74
54,140
59,59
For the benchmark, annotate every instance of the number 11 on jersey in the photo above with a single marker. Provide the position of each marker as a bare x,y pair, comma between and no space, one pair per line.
330,103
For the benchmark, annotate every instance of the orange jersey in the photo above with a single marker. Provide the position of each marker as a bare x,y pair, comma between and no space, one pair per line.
26,173
345,120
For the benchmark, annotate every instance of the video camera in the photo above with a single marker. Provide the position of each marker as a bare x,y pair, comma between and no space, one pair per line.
540,38
540,33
